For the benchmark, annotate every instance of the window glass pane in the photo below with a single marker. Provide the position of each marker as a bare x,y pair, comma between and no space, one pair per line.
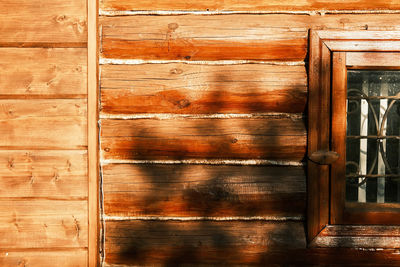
373,136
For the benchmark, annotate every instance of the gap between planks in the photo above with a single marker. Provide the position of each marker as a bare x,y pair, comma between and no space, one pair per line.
111,13
115,61
245,162
42,45
167,116
203,218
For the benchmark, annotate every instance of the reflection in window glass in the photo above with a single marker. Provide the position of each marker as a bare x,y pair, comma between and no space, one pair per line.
373,136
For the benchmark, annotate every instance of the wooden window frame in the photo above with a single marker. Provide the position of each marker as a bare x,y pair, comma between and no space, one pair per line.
327,66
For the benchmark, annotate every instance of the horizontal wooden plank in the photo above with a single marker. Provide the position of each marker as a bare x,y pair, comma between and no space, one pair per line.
203,190
226,37
265,138
43,21
151,242
43,224
371,236
45,174
227,243
59,72
372,59
264,5
52,123
194,89
44,258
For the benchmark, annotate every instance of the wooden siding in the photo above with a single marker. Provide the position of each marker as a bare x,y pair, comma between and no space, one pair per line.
43,72
265,138
49,22
43,144
177,84
224,37
203,191
202,89
243,5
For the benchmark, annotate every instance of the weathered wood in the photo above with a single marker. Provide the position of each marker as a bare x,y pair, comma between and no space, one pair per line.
203,190
43,224
267,138
53,72
373,59
45,174
270,37
150,242
44,258
324,157
51,124
43,21
359,236
185,88
234,5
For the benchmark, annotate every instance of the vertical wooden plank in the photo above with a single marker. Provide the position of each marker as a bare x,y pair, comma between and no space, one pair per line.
318,135
338,170
93,190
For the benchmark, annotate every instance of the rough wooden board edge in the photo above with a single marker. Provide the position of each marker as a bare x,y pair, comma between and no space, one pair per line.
167,116
105,12
250,162
92,87
116,61
203,218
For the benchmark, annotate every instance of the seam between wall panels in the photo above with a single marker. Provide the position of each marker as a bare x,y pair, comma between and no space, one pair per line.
204,218
249,162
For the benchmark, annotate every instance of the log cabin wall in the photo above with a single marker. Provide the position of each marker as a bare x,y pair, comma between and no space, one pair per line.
203,130
43,143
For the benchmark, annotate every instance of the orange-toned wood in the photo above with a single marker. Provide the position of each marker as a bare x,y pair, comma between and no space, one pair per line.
43,124
44,258
362,236
93,136
226,37
43,224
265,5
214,243
318,136
338,170
324,157
265,138
43,174
372,59
152,242
195,89
203,190
41,72
46,21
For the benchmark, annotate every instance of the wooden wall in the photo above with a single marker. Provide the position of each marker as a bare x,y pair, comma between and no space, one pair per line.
43,133
203,130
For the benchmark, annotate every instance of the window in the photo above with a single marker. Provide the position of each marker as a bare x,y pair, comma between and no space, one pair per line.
354,139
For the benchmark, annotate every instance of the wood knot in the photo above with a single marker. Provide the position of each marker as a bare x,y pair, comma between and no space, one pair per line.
176,71
183,103
107,149
188,57
10,164
234,141
61,18
173,26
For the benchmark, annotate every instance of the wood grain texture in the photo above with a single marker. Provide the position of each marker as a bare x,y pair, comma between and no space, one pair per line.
375,236
234,5
151,242
203,190
42,124
225,37
43,21
196,89
43,174
43,72
43,224
266,138
44,258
